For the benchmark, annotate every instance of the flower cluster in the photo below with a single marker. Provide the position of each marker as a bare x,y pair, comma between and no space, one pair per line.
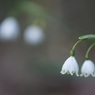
33,34
71,66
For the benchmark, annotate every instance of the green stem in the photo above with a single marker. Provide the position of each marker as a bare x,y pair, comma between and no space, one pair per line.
87,53
72,52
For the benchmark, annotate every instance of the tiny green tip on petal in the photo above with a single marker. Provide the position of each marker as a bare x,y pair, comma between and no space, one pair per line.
63,72
81,75
93,74
72,73
89,36
86,75
77,74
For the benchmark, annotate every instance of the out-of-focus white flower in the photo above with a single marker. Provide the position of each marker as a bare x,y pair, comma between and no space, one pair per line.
70,66
88,68
34,35
9,30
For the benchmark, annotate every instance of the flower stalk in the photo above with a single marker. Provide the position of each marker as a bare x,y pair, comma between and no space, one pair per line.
87,53
72,52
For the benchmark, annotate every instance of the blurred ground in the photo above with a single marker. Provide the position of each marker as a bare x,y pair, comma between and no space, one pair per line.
35,70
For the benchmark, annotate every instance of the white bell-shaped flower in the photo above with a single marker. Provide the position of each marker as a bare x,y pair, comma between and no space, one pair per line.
9,29
34,35
70,66
88,68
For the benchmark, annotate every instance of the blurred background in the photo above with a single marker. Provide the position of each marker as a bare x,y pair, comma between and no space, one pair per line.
36,37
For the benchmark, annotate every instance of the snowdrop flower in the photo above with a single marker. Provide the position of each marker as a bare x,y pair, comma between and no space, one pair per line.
34,35
70,66
9,29
88,68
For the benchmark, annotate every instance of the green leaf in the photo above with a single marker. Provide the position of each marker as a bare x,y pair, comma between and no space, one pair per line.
89,36
33,8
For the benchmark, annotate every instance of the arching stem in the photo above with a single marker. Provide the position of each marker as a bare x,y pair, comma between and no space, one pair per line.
87,53
72,52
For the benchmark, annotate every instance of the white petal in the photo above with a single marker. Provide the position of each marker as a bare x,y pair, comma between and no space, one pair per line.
66,65
72,69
